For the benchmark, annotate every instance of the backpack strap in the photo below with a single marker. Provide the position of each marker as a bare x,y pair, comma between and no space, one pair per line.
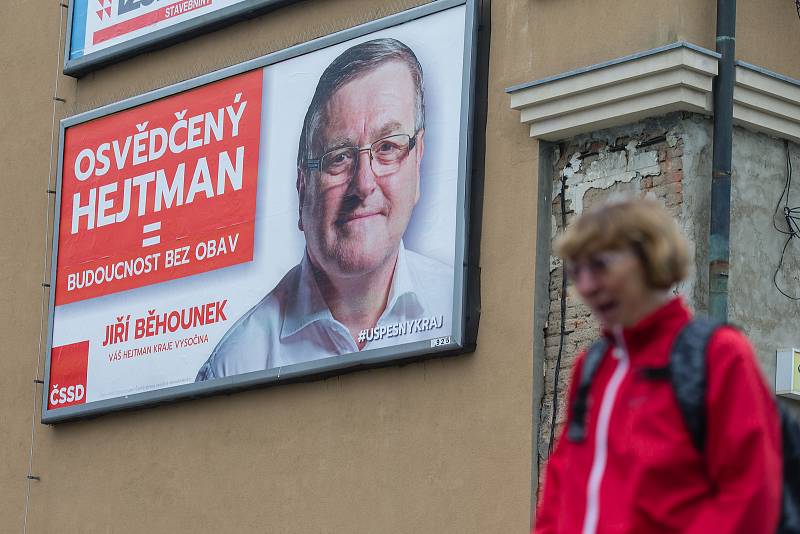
790,509
576,432
687,372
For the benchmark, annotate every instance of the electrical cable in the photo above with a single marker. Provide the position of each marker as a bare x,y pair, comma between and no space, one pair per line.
792,218
42,314
563,321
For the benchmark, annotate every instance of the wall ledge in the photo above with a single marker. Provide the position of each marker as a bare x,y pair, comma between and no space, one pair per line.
766,101
675,77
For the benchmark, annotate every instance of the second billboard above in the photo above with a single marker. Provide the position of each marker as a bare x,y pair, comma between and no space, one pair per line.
103,31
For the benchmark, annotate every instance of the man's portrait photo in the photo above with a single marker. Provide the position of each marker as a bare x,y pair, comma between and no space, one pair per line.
362,283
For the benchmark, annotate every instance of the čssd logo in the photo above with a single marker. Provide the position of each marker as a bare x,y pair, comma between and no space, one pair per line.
67,395
68,365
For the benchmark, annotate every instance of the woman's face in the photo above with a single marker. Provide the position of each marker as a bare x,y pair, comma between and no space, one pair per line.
613,284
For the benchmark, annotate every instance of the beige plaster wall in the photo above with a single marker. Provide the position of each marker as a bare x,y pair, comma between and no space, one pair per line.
567,34
439,446
28,56
768,35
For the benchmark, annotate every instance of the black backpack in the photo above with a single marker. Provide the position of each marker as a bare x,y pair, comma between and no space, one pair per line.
687,373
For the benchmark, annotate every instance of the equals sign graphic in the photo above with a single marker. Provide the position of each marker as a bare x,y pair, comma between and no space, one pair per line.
153,239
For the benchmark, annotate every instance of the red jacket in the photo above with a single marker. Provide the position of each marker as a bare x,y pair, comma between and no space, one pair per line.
638,470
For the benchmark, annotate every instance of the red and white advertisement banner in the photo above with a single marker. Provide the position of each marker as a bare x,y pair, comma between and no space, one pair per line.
295,212
100,24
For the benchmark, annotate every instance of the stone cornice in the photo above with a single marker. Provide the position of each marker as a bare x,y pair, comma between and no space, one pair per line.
766,101
627,89
675,77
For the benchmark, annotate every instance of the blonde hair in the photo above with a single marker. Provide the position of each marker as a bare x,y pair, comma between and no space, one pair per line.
640,225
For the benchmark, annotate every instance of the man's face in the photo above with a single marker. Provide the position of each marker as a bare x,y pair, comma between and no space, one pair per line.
355,227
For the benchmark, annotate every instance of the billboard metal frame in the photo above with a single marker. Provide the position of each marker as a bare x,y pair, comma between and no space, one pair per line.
463,301
164,37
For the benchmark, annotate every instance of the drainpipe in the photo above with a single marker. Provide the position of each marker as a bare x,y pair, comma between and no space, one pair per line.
719,238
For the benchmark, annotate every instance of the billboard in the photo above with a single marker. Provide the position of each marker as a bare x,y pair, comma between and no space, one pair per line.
297,215
103,31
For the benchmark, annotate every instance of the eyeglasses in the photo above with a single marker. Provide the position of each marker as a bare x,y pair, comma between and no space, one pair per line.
596,264
386,155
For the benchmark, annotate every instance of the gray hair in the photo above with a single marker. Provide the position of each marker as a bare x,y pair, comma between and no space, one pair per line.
352,63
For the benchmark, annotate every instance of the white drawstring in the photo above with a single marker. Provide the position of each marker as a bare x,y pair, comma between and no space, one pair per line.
592,516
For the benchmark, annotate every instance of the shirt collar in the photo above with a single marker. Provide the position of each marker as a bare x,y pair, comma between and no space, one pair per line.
665,320
306,305
403,291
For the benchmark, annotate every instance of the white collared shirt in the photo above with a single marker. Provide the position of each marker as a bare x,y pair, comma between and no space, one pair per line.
292,324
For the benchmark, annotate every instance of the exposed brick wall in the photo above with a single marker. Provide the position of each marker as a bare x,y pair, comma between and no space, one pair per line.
644,159
669,157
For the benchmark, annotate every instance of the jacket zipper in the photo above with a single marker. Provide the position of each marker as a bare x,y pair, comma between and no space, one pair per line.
597,471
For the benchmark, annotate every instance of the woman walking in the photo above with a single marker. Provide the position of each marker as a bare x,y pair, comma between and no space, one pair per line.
636,469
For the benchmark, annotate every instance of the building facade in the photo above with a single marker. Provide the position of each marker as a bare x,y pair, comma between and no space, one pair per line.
573,101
